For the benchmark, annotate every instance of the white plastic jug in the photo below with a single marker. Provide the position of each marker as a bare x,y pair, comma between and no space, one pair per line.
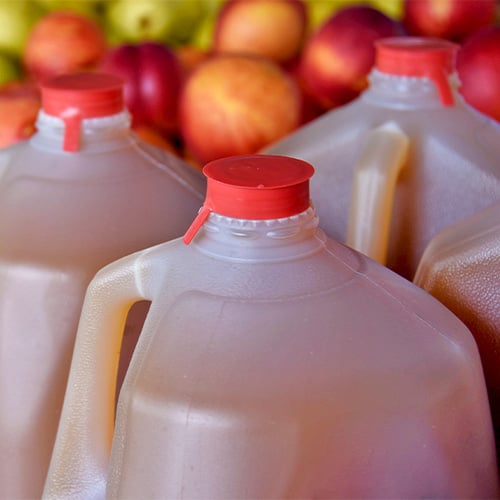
82,192
273,363
461,268
405,159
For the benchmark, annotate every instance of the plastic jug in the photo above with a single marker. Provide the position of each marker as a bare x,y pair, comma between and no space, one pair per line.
273,363
82,192
402,161
461,268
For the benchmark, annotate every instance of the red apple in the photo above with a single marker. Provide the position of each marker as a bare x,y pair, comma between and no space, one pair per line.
310,109
451,19
190,56
153,78
269,28
19,106
237,104
63,42
156,138
339,55
478,67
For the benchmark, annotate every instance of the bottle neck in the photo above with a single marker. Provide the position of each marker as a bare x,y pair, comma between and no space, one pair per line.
96,134
405,92
260,240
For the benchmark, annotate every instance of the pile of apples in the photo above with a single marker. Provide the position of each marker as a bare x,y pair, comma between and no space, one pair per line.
212,78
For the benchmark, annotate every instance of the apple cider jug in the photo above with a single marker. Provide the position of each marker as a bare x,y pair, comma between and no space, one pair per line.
274,362
404,159
461,268
83,191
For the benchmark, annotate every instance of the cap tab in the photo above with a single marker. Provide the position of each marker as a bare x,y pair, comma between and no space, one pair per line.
254,187
433,58
74,97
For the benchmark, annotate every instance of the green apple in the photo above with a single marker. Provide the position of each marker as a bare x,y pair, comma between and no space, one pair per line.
17,17
86,7
392,8
171,22
202,36
9,69
318,11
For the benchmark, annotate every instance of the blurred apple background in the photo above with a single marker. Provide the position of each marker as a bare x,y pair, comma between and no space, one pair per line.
206,78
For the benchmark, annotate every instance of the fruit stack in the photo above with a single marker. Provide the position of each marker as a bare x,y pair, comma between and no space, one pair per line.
211,78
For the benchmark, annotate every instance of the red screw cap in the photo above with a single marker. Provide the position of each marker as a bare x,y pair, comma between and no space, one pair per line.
433,58
254,187
74,97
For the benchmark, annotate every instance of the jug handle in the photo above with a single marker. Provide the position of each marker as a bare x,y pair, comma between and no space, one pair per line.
79,463
374,185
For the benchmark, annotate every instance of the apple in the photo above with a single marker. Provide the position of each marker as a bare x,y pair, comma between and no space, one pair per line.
170,22
310,109
478,68
392,8
87,7
153,78
318,11
451,19
16,19
10,70
63,42
237,104
339,55
19,106
203,34
273,29
190,56
155,137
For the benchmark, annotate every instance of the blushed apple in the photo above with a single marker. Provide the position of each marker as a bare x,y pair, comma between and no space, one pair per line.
19,106
237,104
310,109
153,78
268,28
338,56
478,67
451,19
190,56
155,137
63,42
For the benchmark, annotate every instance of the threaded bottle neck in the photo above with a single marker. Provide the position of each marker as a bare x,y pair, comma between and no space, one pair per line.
240,240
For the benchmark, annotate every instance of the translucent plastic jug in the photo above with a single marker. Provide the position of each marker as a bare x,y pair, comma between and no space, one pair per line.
461,268
405,159
82,192
273,363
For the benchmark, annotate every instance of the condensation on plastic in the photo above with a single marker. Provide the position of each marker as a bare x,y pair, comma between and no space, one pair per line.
452,167
461,268
274,363
62,217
